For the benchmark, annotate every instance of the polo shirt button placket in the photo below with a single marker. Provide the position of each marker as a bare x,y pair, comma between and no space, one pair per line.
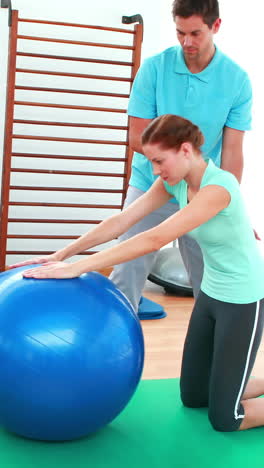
190,94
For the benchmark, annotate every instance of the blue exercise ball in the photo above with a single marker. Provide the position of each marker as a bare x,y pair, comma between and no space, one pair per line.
71,354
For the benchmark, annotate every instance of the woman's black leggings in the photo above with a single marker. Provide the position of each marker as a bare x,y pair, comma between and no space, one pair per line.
219,353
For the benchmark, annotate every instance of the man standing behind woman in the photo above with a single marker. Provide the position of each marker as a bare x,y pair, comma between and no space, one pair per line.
196,81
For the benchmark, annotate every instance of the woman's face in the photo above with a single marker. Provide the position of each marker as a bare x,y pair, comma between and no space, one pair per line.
171,165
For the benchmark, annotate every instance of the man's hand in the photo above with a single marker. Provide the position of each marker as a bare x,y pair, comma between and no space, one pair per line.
256,235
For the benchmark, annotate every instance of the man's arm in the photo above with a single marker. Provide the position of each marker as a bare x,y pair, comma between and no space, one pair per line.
232,155
232,152
136,128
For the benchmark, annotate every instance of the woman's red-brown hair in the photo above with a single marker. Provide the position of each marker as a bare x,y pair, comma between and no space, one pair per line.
170,131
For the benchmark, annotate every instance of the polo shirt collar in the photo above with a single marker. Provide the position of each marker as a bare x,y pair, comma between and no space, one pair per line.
181,67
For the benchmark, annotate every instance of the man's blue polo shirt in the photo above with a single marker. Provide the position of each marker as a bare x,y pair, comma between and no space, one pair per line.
219,96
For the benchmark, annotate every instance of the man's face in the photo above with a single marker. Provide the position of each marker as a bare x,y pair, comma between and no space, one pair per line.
195,37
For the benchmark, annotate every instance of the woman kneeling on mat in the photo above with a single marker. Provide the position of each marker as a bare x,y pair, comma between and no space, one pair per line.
226,324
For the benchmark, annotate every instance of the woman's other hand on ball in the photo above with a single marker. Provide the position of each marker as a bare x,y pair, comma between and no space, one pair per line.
57,270
36,260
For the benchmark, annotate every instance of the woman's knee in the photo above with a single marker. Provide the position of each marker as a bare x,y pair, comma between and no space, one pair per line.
193,400
222,422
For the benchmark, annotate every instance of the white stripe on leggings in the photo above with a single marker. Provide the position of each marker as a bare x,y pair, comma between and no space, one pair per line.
241,416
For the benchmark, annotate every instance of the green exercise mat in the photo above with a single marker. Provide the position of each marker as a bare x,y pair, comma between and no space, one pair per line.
154,431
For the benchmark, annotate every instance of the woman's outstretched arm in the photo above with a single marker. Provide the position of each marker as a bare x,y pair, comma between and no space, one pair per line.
204,206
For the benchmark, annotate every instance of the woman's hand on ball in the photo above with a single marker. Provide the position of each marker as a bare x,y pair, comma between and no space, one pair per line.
57,270
36,260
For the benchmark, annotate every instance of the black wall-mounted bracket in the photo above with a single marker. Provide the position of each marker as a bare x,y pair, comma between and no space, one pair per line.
133,19
7,4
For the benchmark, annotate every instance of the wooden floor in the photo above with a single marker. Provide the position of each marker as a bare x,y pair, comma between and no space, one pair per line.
164,338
